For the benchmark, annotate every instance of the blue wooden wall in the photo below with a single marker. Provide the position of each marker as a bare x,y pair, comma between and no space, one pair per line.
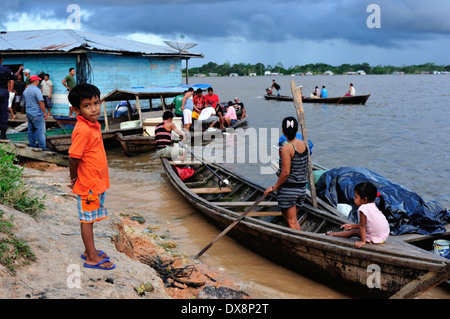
109,72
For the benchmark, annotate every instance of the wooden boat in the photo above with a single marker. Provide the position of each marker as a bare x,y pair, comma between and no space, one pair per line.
135,143
356,99
393,269
61,143
36,154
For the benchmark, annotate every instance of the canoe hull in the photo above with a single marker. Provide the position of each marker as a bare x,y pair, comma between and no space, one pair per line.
133,144
61,143
357,99
336,259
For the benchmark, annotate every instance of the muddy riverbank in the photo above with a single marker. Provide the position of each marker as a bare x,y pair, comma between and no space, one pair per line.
132,244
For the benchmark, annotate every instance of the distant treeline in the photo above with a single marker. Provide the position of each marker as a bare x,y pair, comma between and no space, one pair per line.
319,68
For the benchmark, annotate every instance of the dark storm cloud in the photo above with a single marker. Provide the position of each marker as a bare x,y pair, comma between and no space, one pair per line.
262,20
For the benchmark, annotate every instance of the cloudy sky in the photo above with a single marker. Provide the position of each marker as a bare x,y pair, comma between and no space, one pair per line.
293,32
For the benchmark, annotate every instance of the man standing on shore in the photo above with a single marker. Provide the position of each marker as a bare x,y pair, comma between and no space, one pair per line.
69,83
36,114
6,76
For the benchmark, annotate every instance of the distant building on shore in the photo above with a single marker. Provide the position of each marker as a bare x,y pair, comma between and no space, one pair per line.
109,63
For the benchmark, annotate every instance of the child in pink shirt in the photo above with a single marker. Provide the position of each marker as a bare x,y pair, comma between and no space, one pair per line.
373,226
230,117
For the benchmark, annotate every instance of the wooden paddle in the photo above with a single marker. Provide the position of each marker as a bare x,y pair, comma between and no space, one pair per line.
298,104
231,226
340,99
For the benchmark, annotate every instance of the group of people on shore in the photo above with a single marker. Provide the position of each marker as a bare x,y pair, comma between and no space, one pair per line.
207,109
33,96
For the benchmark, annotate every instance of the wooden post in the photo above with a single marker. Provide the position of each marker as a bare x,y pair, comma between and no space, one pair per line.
187,71
138,105
106,116
162,103
297,98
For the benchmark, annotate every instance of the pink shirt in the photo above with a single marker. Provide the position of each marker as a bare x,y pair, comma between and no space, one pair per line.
377,226
231,113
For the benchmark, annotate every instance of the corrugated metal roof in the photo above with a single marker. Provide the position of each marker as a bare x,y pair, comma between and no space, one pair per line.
66,40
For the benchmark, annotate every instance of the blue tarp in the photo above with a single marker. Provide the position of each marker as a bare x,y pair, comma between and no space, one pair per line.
405,211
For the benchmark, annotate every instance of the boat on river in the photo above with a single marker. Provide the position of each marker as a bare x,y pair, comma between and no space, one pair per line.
22,150
394,269
356,99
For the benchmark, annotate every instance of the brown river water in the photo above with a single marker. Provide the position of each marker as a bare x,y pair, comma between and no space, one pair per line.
394,128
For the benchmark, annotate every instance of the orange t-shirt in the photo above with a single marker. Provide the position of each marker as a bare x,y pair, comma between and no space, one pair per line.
87,146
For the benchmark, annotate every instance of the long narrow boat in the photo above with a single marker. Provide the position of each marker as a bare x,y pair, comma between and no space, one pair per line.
22,150
394,269
356,99
136,143
61,143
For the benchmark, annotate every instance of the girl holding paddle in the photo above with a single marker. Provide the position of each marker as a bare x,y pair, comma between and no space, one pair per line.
292,174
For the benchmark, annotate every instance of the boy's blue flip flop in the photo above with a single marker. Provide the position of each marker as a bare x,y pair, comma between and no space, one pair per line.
97,266
101,252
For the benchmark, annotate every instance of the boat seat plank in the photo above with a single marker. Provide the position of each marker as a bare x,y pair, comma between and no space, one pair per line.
185,163
237,204
209,190
260,214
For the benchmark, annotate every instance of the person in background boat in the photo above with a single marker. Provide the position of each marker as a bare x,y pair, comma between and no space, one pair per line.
230,116
292,174
317,91
19,102
6,76
277,87
88,166
163,138
314,95
212,99
351,91
36,113
47,90
373,226
208,117
323,92
240,109
188,107
177,102
123,107
199,103
27,73
69,83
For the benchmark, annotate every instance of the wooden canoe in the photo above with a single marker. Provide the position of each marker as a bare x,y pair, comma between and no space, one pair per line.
357,99
135,143
61,143
395,269
36,154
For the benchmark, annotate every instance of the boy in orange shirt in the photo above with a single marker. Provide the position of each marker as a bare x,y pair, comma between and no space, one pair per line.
88,167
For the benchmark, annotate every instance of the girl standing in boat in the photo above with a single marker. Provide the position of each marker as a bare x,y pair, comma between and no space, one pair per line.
292,174
373,226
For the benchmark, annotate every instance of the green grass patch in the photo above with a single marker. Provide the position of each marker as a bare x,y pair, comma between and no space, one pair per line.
13,191
14,252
